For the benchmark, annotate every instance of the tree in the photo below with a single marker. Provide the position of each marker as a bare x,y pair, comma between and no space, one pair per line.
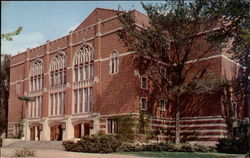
177,32
4,82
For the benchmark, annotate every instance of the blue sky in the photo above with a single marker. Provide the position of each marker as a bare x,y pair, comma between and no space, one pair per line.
44,20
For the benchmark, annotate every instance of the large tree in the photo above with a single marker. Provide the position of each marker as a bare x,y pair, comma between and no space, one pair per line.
4,81
178,32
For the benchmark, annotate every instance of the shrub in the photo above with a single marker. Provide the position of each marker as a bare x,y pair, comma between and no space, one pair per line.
24,152
185,147
237,146
125,147
95,144
167,146
203,148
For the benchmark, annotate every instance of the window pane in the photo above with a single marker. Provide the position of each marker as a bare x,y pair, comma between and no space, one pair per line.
51,104
76,74
56,104
81,100
144,103
75,101
81,73
86,99
144,82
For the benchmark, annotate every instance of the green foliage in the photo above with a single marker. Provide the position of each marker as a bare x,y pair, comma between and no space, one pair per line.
177,31
8,36
126,127
4,91
126,147
95,144
165,146
24,152
238,146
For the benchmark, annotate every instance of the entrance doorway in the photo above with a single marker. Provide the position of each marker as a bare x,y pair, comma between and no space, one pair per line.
86,129
77,130
56,132
81,129
34,133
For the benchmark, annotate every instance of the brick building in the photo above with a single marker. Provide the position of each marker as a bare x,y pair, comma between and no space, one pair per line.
81,80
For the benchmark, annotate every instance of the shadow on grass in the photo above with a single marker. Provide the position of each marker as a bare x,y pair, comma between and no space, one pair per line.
183,154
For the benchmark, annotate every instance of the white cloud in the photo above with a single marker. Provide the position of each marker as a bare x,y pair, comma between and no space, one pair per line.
21,42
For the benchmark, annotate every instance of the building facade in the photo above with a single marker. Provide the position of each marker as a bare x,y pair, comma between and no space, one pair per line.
82,80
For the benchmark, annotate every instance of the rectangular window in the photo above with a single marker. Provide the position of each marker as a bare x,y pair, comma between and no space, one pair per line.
42,81
81,73
115,65
56,104
61,78
65,77
86,99
144,103
60,103
112,126
81,100
91,71
31,84
90,99
234,110
163,105
76,74
112,66
75,101
56,79
52,79
51,104
144,83
86,72
41,106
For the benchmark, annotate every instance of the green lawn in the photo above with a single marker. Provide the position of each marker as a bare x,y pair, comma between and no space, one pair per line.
183,154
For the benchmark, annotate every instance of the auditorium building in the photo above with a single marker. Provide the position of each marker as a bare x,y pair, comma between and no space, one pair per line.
84,79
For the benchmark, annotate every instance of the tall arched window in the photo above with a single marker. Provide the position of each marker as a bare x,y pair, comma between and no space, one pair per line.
58,70
114,63
57,82
36,85
83,78
36,76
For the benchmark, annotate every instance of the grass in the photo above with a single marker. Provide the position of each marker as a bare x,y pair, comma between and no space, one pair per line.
182,154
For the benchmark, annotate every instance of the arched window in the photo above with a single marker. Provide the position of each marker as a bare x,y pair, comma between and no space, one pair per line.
114,63
83,63
83,77
36,76
57,81
36,85
58,70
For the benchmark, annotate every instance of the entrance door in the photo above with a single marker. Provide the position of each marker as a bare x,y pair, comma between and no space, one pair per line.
56,132
77,130
32,133
86,129
38,132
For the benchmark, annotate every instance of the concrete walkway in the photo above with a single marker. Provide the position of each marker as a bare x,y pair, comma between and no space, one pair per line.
40,153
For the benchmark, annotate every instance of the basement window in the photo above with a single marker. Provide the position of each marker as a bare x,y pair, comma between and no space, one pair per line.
144,103
163,105
144,83
234,110
112,126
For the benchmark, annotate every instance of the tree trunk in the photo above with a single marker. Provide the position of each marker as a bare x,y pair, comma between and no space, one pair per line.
177,120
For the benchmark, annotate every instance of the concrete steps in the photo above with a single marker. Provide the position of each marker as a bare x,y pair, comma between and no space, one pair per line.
49,145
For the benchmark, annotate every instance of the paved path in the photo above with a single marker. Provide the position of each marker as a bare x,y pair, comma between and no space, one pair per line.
39,153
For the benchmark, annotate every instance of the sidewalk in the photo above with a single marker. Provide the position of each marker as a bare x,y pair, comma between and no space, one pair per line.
39,153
